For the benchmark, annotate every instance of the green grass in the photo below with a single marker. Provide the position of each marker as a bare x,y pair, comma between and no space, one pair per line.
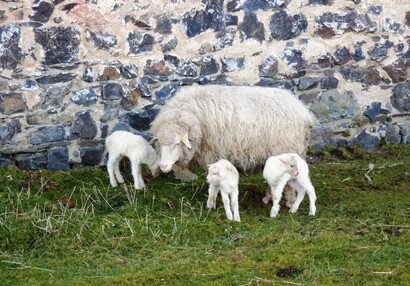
72,228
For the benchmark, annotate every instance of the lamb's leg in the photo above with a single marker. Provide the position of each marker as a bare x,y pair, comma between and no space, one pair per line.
290,196
301,191
268,196
136,173
110,168
212,193
183,174
227,206
235,205
276,196
117,172
312,198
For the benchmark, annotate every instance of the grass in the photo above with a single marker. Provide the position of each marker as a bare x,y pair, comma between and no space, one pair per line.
72,228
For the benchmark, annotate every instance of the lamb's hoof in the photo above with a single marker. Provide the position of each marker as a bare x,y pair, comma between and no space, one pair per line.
265,200
312,213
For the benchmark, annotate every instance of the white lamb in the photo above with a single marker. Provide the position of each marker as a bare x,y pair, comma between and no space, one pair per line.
290,169
138,151
223,177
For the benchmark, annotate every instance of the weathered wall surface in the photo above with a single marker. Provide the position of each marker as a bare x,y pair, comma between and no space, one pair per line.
71,72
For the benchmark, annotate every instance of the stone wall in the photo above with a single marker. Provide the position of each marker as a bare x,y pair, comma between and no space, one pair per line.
71,72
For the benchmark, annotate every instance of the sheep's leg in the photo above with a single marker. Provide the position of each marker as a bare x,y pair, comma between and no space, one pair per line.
225,200
277,195
301,191
268,196
212,193
111,168
290,196
137,175
183,174
235,205
312,198
117,172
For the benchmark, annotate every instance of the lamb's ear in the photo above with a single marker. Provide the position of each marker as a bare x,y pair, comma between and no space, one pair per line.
185,140
153,140
283,161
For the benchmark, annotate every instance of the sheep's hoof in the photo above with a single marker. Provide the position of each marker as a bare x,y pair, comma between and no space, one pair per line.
265,200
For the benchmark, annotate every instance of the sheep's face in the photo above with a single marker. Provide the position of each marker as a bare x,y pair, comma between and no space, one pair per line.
214,174
291,165
171,153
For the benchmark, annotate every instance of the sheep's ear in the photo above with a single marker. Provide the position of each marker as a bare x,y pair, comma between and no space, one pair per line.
185,140
283,161
153,140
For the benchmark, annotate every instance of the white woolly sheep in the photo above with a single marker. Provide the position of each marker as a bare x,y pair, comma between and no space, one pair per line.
289,169
223,177
138,151
242,124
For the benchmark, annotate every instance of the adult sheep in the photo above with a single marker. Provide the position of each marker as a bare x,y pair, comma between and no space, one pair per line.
242,124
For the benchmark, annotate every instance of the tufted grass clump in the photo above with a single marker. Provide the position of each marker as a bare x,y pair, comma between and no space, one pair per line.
72,228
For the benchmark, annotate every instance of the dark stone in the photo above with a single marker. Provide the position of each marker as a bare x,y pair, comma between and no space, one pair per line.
269,66
231,20
164,25
306,83
309,97
58,159
294,58
391,134
83,126
166,92
54,78
224,38
233,5
60,44
371,77
121,125
375,10
186,81
208,65
231,63
251,28
365,141
332,105
397,71
104,130
399,48
11,103
148,79
157,68
350,75
172,59
53,96
255,5
341,56
203,80
30,85
111,91
171,45
8,131
104,40
284,26
373,110
41,11
400,97
111,110
329,82
269,82
109,73
46,134
85,96
141,120
329,24
379,51
219,79
407,19
140,42
10,46
358,54
389,25
211,17
321,2
31,161
88,74
187,68
91,156
324,61
4,162
321,136
129,71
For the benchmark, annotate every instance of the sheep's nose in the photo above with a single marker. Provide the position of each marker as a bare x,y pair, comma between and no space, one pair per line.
165,168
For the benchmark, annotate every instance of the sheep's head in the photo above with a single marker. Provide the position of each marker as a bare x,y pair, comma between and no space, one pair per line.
215,174
291,165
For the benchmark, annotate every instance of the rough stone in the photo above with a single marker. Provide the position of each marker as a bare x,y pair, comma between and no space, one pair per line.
371,77
111,110
233,5
341,56
10,46
172,59
11,103
8,131
83,126
309,97
375,10
306,83
251,28
140,43
41,11
400,97
85,96
203,80
212,16
111,91
157,68
141,120
269,82
54,78
208,65
373,110
391,134
29,85
91,156
166,92
103,40
332,105
390,26
60,44
129,71
169,46
231,20
358,54
294,58
224,38
284,26
88,74
164,25
350,75
46,134
269,66
321,2
407,19
218,79
365,141
321,136
58,159
31,161
53,96
329,82
232,63
187,68
324,61
255,5
330,24
397,71
109,73
186,81
379,51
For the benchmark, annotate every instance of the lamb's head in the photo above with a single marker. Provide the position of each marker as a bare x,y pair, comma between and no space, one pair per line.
172,144
290,165
215,173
